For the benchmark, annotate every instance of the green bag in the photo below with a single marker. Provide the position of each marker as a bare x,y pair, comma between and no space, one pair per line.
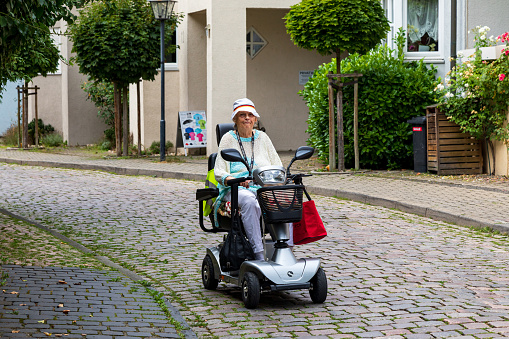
210,182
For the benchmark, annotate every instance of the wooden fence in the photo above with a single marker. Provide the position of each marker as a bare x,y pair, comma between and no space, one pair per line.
449,150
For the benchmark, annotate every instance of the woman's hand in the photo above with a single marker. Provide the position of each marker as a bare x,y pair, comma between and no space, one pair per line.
245,183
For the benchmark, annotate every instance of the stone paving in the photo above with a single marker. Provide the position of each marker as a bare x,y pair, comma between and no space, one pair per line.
391,274
470,204
75,303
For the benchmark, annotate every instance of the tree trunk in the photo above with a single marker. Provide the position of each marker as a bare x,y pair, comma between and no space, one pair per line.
125,122
338,61
116,97
341,140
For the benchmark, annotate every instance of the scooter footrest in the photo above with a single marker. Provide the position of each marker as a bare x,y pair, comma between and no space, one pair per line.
290,287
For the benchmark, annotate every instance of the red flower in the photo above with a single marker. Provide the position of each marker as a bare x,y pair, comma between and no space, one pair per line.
501,77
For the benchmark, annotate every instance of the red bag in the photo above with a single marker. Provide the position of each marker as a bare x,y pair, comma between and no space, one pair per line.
310,228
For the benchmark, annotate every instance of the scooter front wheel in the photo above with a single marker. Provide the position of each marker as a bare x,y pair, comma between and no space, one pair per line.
208,274
251,290
318,290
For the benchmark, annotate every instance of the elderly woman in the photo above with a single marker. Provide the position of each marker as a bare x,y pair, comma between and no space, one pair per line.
258,151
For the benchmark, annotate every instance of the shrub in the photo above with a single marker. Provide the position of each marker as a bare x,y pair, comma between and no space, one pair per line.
155,147
109,134
43,130
390,93
52,140
106,145
10,137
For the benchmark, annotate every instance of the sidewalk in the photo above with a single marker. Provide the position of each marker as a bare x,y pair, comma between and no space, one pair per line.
475,204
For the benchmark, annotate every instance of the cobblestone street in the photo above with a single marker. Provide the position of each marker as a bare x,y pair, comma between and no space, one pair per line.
391,274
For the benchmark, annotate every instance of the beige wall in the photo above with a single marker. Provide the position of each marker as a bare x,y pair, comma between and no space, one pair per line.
84,126
49,101
63,104
150,93
273,79
501,156
194,63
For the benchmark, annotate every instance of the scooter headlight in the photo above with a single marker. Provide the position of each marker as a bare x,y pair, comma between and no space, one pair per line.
270,176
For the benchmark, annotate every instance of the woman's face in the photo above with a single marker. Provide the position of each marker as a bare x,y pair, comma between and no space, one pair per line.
245,120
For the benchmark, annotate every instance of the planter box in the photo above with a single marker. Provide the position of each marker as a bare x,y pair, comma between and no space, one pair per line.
449,150
487,53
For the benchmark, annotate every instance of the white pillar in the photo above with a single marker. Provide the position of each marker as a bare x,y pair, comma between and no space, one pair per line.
226,63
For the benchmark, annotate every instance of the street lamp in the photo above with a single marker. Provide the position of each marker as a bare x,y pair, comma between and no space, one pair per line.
163,10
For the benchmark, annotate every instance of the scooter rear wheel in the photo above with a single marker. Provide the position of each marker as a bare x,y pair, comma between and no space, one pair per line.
250,290
318,290
208,274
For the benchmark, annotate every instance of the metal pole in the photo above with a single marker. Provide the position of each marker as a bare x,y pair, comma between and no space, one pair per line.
163,123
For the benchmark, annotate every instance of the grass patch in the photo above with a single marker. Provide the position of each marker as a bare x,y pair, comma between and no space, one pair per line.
24,244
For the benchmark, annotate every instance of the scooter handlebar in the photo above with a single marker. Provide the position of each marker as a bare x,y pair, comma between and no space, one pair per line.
234,181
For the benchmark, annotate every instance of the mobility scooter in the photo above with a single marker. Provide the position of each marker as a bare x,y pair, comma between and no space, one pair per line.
280,199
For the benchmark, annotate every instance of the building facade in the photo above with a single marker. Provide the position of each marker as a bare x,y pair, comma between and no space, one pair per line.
232,49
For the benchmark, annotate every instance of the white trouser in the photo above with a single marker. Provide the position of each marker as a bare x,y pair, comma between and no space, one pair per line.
250,215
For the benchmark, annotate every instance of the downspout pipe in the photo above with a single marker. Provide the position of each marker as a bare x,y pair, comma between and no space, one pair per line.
454,34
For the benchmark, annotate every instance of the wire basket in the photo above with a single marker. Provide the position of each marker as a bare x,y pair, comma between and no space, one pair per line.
281,204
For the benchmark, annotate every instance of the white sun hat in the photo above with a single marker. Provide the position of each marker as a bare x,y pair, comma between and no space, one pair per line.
245,105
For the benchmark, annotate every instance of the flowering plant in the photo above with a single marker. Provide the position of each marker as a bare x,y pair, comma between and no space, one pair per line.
476,92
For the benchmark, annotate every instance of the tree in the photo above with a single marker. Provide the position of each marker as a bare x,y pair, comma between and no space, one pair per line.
336,26
118,41
25,45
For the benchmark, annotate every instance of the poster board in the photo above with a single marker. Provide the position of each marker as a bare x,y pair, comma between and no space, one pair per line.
192,127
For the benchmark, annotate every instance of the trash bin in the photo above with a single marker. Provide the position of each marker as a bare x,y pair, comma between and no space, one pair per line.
420,144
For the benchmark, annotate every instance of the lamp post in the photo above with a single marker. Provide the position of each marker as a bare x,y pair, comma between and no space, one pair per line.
163,10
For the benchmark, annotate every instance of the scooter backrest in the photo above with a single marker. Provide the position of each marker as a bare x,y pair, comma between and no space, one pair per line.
212,161
221,129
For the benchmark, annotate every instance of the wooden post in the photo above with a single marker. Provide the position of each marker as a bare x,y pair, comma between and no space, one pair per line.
118,144
125,122
139,117
356,121
25,115
19,115
36,135
341,138
332,146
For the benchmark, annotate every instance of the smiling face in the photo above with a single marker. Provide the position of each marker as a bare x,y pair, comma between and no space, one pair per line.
245,123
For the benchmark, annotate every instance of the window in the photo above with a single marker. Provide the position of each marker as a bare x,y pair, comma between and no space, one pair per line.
55,36
170,56
422,26
254,42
